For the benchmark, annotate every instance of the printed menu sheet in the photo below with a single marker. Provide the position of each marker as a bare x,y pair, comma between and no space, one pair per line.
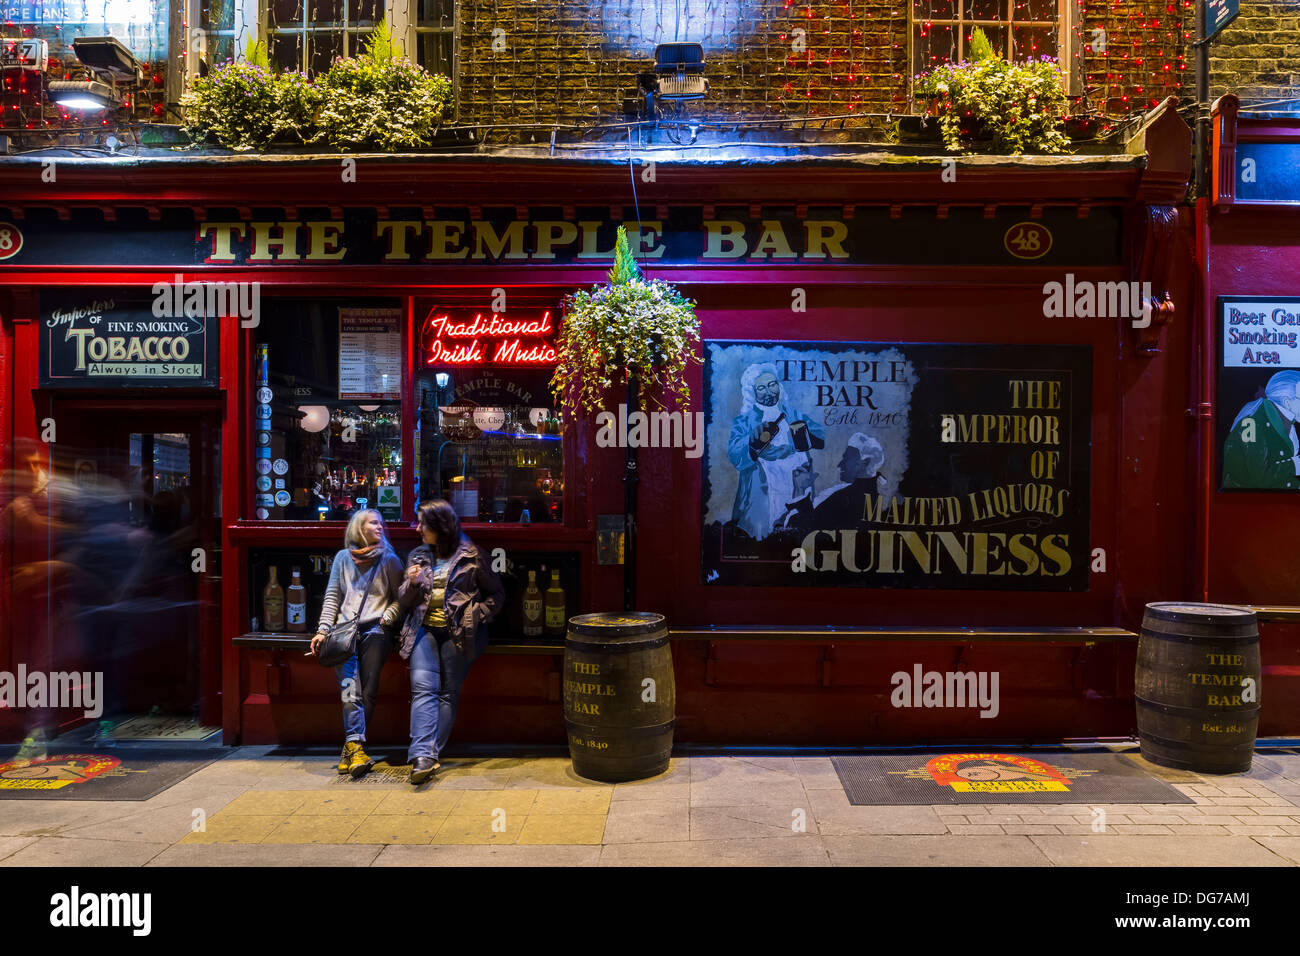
370,354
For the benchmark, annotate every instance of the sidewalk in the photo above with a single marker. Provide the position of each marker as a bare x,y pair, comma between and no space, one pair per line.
259,809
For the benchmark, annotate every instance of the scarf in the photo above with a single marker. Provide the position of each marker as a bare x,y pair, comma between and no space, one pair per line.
363,558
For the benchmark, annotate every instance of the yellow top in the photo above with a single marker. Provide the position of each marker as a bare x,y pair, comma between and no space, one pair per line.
436,615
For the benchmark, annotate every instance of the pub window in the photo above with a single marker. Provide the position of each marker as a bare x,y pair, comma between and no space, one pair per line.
1018,29
307,34
435,36
489,432
326,410
217,18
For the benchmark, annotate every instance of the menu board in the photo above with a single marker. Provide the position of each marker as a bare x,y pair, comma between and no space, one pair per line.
370,354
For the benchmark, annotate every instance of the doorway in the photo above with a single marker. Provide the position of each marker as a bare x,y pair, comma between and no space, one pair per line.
139,501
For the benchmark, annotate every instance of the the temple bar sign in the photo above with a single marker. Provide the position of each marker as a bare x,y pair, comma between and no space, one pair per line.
577,236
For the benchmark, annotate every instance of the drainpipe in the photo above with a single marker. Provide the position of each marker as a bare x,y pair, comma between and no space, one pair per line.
1204,394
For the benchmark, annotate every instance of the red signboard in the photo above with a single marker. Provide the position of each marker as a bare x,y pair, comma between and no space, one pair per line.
459,338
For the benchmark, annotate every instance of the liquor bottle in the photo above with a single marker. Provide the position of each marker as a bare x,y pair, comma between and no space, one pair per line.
273,604
532,607
297,603
556,619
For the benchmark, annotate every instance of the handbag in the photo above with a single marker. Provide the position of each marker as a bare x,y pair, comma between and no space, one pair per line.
341,639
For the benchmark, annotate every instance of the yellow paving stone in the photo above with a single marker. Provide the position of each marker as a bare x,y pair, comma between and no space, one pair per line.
355,803
434,802
266,802
563,828
481,827
324,828
513,802
392,828
572,801
225,828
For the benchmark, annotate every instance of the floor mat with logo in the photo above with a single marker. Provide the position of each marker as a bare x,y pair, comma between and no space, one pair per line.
115,773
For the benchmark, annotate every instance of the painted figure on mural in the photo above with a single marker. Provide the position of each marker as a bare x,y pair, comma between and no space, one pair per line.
843,505
793,487
1262,449
767,430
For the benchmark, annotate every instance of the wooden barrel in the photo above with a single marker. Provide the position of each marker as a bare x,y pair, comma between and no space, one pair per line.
619,695
1197,686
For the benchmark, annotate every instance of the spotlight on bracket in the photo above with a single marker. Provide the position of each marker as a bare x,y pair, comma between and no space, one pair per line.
678,75
110,65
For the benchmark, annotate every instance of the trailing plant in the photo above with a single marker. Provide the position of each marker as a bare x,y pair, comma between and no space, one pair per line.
246,105
1020,107
632,329
380,99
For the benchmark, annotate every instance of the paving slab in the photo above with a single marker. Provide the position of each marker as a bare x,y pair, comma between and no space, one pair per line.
264,855
817,773
740,788
835,816
808,850
49,817
152,825
750,822
68,851
648,821
1183,849
11,845
974,850
1287,847
450,855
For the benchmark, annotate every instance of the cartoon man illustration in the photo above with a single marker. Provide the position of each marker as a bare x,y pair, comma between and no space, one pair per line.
793,485
843,505
766,430
1262,449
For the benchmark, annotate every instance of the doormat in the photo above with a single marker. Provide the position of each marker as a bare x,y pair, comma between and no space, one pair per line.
163,728
126,774
983,777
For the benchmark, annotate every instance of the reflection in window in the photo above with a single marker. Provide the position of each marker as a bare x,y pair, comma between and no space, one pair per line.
1018,29
490,444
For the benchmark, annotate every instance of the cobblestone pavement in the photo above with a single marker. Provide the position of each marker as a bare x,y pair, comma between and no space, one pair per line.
253,807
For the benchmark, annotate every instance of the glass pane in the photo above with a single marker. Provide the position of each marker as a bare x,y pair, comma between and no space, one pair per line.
286,51
984,9
324,48
934,10
1035,42
220,49
934,45
365,12
434,53
285,13
321,449
997,36
324,12
1037,10
493,462
437,13
217,15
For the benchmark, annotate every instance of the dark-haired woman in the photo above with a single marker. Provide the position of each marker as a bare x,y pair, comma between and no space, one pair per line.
447,597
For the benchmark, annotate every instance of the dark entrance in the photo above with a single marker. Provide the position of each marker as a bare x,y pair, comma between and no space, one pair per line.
139,505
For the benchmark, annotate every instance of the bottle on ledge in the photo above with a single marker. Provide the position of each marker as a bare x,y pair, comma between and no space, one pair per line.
273,603
556,619
533,615
297,603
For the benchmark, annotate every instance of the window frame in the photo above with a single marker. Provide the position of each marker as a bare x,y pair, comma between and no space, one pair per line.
1069,44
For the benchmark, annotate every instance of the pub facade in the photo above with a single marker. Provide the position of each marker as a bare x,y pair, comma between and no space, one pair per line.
210,363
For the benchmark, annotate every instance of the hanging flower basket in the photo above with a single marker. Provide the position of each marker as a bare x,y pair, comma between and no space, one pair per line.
632,329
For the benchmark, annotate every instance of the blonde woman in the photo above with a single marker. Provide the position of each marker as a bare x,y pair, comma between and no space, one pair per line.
364,579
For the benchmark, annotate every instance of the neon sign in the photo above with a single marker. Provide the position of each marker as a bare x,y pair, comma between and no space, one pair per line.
446,341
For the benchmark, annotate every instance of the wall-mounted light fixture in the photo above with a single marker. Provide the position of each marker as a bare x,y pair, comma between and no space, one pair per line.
110,65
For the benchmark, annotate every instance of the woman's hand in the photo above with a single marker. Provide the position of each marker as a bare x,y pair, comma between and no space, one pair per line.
413,573
316,642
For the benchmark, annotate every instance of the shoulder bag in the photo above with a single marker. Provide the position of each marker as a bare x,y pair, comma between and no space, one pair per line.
341,639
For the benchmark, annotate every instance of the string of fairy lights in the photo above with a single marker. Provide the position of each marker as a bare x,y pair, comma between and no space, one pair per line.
574,61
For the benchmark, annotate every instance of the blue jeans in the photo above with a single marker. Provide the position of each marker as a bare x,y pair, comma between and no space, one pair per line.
359,682
437,672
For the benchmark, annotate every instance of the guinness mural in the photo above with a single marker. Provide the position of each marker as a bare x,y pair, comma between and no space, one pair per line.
879,465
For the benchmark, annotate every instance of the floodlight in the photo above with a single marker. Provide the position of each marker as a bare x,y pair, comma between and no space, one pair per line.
679,68
109,62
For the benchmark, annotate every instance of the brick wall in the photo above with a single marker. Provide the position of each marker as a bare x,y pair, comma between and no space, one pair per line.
573,61
1257,56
